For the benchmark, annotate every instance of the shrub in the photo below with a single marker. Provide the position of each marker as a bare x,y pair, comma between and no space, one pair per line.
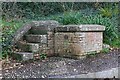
8,29
109,10
43,56
111,32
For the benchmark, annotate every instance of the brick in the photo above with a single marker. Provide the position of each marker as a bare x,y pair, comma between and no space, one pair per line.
83,40
50,35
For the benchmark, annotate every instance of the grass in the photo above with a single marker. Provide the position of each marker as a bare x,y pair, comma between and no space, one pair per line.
105,50
91,54
116,43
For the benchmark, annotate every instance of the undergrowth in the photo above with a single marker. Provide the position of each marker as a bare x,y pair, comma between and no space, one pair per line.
111,34
106,15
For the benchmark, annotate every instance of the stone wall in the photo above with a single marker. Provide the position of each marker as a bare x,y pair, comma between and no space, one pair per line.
62,40
46,30
78,40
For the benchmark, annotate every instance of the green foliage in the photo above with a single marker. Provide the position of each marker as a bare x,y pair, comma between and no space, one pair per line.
29,10
109,10
111,24
36,10
43,56
105,50
8,29
116,43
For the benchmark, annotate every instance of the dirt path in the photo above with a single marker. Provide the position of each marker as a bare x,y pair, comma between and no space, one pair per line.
56,66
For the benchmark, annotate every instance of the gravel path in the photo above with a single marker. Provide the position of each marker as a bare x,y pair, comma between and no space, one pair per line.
57,66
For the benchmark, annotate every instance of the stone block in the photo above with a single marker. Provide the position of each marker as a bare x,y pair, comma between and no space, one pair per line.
104,74
65,42
44,39
73,28
91,27
50,35
78,40
50,23
50,52
43,46
42,27
23,55
33,38
61,29
39,30
78,28
50,44
36,38
28,47
92,41
21,32
106,46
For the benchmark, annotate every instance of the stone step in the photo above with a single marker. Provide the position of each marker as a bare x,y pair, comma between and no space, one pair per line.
28,47
22,55
36,38
39,30
42,27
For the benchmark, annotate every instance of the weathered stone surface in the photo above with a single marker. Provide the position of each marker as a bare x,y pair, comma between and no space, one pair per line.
64,40
21,32
36,38
105,46
28,47
50,35
92,41
44,39
65,45
91,27
46,22
50,52
25,55
39,30
42,27
77,43
46,50
78,28
61,29
33,38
